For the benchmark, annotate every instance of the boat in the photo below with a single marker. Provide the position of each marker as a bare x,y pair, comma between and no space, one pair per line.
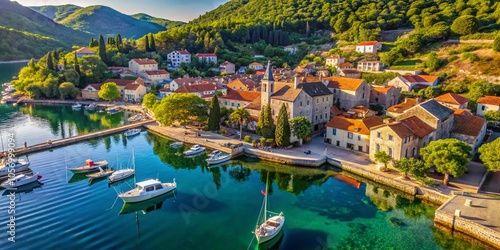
123,174
136,118
76,106
176,144
146,206
146,190
20,180
91,107
218,157
24,189
101,174
213,153
270,227
132,132
196,149
90,166
113,110
18,165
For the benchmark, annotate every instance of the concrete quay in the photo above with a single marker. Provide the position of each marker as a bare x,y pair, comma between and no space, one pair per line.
67,141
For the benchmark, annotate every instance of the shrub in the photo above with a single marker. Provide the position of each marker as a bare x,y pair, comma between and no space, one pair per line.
269,141
471,56
263,141
496,43
452,58
469,48
247,138
453,52
254,142
223,131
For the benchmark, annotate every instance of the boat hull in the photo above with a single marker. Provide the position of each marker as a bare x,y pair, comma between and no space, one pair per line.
7,185
218,161
191,152
147,196
261,237
100,175
19,168
120,176
87,169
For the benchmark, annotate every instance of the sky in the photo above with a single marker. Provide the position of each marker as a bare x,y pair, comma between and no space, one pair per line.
177,10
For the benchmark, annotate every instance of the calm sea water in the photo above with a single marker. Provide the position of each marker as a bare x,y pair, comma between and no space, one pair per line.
213,208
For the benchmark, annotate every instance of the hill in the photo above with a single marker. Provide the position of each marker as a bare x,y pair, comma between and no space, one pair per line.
56,13
169,24
26,33
107,21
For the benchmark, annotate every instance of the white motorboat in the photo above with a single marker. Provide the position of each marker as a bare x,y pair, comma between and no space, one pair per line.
90,166
21,180
91,107
146,190
136,118
114,110
270,227
101,174
76,106
132,132
176,144
217,157
196,149
19,165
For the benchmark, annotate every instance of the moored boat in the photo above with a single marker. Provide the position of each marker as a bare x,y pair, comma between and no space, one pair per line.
18,165
90,166
196,149
132,132
136,118
101,174
176,144
218,157
113,110
146,190
76,106
270,227
121,174
91,107
20,180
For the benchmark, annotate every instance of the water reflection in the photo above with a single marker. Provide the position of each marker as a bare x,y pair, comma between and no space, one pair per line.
147,206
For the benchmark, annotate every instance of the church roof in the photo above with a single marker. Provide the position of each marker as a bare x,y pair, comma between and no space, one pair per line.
268,75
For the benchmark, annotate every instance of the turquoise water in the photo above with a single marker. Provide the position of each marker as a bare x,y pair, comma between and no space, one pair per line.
213,208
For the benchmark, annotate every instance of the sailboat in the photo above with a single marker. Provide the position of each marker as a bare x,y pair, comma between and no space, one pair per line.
123,174
269,227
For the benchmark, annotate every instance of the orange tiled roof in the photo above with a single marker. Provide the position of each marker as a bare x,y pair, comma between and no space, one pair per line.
345,65
452,98
132,86
401,107
144,61
336,111
84,50
285,92
382,90
255,104
193,88
360,126
184,52
156,72
367,43
256,63
344,83
241,95
420,78
119,82
419,127
462,112
206,55
468,125
491,100
400,129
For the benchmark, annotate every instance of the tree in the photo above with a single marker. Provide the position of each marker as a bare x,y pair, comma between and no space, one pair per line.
67,90
50,61
492,115
102,49
412,166
267,128
489,155
301,127
496,43
152,45
433,62
181,107
94,69
214,115
146,42
448,156
383,157
240,115
109,91
283,128
465,25
149,100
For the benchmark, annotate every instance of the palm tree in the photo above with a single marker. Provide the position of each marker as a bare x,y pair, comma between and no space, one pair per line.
240,115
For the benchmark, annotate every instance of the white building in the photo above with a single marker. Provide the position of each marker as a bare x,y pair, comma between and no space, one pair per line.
256,66
156,76
368,47
291,49
486,103
334,60
407,83
351,133
177,57
139,66
207,58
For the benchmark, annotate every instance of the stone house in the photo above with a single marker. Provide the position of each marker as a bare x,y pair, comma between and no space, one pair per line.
90,91
134,92
486,103
176,83
370,66
202,90
470,129
407,83
256,66
351,133
349,73
177,57
139,66
452,101
207,58
368,47
244,84
227,67
384,96
348,92
334,60
156,76
238,98
400,108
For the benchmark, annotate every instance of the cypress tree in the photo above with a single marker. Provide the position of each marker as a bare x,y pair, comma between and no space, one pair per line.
152,47
260,122
214,116
147,44
77,66
118,41
283,131
270,38
307,29
50,62
268,124
102,49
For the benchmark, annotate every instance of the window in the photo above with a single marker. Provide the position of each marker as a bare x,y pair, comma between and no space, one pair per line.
404,142
391,138
300,114
232,104
316,118
320,116
301,103
307,102
390,152
377,147
323,99
327,98
349,135
317,100
379,135
238,105
326,115
158,187
359,137
482,107
334,131
225,103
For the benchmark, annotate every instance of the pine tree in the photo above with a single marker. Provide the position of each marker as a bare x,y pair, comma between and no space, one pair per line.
50,62
214,116
102,50
283,131
147,43
152,47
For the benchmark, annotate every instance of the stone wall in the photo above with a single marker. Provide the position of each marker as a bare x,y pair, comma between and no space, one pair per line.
459,224
272,157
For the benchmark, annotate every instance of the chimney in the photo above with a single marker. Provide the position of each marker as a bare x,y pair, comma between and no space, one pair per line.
296,81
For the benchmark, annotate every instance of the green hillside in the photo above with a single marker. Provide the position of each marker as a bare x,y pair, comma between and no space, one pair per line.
163,22
107,21
26,33
56,13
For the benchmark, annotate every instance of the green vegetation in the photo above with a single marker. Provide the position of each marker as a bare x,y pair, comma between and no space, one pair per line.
215,114
412,166
181,107
465,25
489,155
109,91
433,62
67,90
56,13
168,24
240,115
496,43
283,128
265,125
448,156
410,64
383,157
378,78
492,115
149,101
301,127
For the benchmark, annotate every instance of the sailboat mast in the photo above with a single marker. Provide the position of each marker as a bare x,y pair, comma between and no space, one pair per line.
133,162
265,198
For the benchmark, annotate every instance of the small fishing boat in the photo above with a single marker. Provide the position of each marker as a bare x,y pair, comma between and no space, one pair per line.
91,107
176,144
114,110
18,165
217,157
20,180
101,174
136,118
76,106
196,149
90,166
146,190
132,132
123,174
270,227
